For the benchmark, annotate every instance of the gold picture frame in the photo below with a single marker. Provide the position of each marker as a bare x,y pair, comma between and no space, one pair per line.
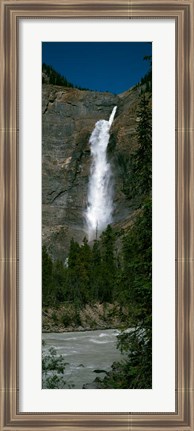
182,12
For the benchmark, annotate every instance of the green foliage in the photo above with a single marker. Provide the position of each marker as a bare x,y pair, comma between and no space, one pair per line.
47,277
103,273
140,170
55,78
93,274
135,170
59,279
134,277
96,272
53,280
54,317
71,316
78,272
53,367
108,267
135,371
67,319
137,267
89,276
147,78
133,282
134,289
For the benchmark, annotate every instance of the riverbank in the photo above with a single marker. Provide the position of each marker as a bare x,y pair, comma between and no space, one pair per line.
69,318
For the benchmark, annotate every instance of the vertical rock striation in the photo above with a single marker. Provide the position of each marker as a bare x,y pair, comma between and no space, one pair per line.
68,118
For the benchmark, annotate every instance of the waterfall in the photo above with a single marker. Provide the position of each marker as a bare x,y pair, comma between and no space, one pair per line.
100,191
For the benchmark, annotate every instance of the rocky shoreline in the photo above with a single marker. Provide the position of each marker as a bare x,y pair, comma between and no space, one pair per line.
68,318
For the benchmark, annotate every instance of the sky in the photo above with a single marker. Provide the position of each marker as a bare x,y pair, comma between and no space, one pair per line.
100,66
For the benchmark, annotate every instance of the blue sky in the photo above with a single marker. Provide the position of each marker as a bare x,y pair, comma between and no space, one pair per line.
101,66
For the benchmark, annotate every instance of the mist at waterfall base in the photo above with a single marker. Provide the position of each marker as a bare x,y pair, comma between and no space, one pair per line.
100,190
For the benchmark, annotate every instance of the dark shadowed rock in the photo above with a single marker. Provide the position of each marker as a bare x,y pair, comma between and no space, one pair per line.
68,118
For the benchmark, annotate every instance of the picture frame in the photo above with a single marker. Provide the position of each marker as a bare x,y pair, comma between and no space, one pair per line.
11,12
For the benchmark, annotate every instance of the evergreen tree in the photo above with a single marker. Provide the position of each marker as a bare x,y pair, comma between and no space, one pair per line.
47,277
73,272
105,272
134,277
137,267
140,179
74,250
78,273
59,279
85,271
55,78
108,264
97,281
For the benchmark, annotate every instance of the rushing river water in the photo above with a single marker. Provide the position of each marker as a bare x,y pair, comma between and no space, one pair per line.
84,352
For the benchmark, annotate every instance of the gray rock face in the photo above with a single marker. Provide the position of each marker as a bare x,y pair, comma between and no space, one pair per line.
69,116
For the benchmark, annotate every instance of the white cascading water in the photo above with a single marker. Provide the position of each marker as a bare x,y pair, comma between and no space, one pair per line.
100,191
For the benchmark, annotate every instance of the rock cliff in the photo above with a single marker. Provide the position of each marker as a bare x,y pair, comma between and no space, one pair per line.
68,118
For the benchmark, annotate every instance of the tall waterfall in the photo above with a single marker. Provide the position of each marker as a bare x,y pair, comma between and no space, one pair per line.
100,191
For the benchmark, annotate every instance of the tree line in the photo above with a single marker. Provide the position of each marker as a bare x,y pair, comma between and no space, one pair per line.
88,276
55,78
135,277
108,272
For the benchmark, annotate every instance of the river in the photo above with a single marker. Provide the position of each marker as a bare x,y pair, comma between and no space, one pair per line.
84,352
